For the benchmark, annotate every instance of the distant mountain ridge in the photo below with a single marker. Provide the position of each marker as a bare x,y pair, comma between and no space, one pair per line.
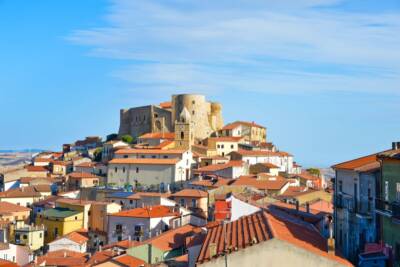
25,150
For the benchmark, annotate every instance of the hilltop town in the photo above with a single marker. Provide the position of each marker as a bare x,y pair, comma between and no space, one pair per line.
177,186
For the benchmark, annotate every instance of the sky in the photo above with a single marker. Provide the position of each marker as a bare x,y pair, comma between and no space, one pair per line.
322,75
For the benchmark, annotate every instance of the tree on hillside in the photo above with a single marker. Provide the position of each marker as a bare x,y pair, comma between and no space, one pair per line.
97,154
127,138
314,171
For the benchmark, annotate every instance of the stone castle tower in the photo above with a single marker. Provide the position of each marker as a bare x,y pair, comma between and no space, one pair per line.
205,116
184,131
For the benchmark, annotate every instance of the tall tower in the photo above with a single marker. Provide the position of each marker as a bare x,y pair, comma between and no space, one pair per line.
184,130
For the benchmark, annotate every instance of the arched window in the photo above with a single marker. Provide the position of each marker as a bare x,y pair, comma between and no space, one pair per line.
182,135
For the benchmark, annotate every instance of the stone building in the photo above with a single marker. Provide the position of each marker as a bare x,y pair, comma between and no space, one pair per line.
205,117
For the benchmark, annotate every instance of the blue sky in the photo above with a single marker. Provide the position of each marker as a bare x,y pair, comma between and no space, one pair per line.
322,75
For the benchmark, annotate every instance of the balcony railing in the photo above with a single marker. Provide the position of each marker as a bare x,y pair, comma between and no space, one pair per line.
383,207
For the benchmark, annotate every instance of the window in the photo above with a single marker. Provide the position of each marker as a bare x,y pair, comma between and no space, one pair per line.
182,135
398,191
88,213
386,194
56,231
125,156
137,169
25,237
192,112
165,156
194,202
153,156
182,201
123,169
193,102
40,235
217,146
222,146
340,186
232,146
76,218
115,169
130,201
142,156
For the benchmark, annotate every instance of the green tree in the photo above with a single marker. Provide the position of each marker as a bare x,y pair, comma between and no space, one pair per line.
97,154
127,138
314,171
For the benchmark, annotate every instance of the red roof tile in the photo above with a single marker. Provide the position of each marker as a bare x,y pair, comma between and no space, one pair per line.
190,193
260,227
149,151
260,184
167,135
5,263
356,163
7,208
218,167
144,161
129,261
82,175
235,124
261,153
147,212
36,169
166,104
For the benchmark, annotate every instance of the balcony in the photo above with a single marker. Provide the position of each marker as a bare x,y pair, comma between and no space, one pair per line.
364,209
338,202
383,207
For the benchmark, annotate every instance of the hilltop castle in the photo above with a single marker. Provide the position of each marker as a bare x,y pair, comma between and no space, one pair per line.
191,113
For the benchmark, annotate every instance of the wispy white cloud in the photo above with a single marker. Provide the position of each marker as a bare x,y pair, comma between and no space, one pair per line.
285,46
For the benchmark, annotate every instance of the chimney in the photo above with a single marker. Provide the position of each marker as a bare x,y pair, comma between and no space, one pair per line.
308,207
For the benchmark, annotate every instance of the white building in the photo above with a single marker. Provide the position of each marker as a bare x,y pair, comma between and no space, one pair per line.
140,223
231,169
283,160
15,253
149,167
72,241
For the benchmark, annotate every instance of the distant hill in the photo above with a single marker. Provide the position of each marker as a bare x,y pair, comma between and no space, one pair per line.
25,150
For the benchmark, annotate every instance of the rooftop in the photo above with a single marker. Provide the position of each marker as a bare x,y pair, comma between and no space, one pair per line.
147,212
59,212
235,124
194,193
7,208
261,153
82,175
158,136
218,167
260,227
260,184
75,237
149,151
358,163
144,161
129,261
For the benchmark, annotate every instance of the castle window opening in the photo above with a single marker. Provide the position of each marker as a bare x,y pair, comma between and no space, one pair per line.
182,135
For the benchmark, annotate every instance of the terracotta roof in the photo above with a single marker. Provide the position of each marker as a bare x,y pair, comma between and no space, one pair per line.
43,160
235,124
81,201
63,257
158,136
174,238
86,164
260,227
218,167
147,212
260,184
36,169
7,208
26,180
76,237
26,191
307,176
293,191
144,161
101,256
82,175
392,154
62,163
5,263
225,139
125,244
261,153
149,151
166,104
129,261
212,182
269,165
322,205
356,163
190,193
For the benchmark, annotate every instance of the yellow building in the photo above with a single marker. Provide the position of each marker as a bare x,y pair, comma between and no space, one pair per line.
29,235
59,221
224,145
